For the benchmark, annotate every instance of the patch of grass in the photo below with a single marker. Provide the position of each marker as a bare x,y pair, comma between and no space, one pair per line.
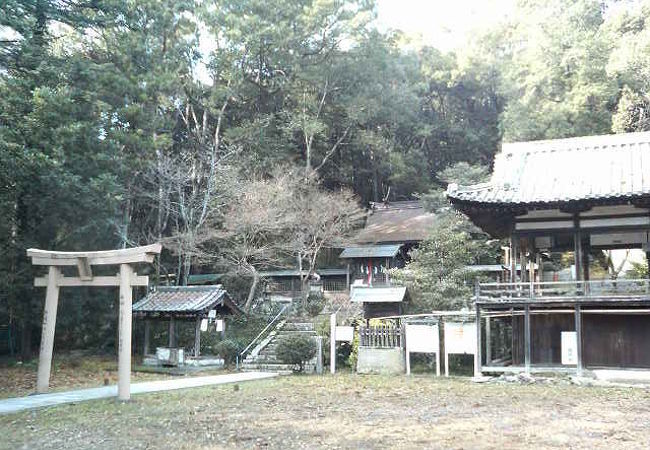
76,372
347,411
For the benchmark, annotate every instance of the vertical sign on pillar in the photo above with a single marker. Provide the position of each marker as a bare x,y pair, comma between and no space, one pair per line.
124,356
49,324
333,343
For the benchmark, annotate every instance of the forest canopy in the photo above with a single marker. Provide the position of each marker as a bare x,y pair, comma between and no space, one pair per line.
117,128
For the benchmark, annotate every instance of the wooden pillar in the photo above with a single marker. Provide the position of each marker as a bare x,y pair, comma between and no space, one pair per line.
49,324
172,338
347,278
578,318
197,338
513,259
147,336
387,267
527,338
586,249
124,356
577,252
532,258
333,343
523,272
319,355
488,341
477,355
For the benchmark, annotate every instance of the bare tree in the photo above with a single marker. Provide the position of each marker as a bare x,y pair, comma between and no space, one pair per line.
323,219
274,222
252,234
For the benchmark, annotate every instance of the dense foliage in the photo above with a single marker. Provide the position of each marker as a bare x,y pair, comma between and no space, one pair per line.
127,122
296,350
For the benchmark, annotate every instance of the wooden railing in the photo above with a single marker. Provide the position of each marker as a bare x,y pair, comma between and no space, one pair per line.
335,286
382,336
557,290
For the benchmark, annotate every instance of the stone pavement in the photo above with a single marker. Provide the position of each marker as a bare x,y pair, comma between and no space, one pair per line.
13,405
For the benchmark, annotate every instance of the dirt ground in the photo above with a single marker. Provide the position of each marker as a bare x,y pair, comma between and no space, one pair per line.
68,372
347,411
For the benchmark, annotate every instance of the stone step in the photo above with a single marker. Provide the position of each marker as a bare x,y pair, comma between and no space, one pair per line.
309,368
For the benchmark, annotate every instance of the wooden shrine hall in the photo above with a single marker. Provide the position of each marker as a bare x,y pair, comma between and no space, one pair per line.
193,304
574,198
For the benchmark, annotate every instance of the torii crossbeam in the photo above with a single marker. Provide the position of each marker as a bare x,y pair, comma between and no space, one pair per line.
125,279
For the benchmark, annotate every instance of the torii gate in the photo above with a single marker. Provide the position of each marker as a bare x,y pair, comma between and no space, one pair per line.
125,279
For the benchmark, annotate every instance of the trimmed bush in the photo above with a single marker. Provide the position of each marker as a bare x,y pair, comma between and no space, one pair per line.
296,350
228,350
314,304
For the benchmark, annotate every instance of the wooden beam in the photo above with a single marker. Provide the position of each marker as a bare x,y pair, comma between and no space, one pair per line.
488,341
85,269
197,338
136,280
577,250
527,338
115,257
171,332
125,324
49,325
477,355
578,319
147,336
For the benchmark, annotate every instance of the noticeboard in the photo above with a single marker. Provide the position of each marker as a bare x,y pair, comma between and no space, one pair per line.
460,337
422,339
344,334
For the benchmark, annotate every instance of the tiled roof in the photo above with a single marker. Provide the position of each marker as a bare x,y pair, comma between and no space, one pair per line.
365,294
183,299
560,170
394,222
370,251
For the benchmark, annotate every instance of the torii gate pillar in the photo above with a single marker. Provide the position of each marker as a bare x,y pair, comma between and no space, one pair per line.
125,279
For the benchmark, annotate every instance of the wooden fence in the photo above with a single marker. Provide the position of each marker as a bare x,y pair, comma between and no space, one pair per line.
335,285
382,336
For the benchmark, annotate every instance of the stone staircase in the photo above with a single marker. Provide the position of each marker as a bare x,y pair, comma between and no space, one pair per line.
263,357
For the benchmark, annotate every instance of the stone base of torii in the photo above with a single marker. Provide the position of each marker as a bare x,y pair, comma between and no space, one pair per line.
126,279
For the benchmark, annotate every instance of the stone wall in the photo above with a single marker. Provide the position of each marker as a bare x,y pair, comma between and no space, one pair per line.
381,360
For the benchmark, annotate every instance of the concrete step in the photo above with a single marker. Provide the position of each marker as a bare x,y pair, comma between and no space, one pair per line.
309,368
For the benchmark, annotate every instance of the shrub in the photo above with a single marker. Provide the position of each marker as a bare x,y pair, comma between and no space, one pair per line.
228,350
314,304
296,350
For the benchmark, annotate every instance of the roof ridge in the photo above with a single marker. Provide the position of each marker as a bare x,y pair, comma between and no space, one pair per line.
570,143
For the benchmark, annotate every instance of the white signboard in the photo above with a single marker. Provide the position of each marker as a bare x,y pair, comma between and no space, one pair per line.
569,347
212,313
221,325
460,338
422,339
344,334
204,325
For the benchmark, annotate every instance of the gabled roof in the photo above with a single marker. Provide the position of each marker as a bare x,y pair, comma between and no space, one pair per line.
596,168
367,294
396,222
185,300
370,251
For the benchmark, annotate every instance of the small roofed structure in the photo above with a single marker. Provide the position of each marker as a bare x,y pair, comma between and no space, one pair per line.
379,301
189,303
391,231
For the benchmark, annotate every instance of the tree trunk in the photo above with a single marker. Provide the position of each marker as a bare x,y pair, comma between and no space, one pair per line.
251,292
